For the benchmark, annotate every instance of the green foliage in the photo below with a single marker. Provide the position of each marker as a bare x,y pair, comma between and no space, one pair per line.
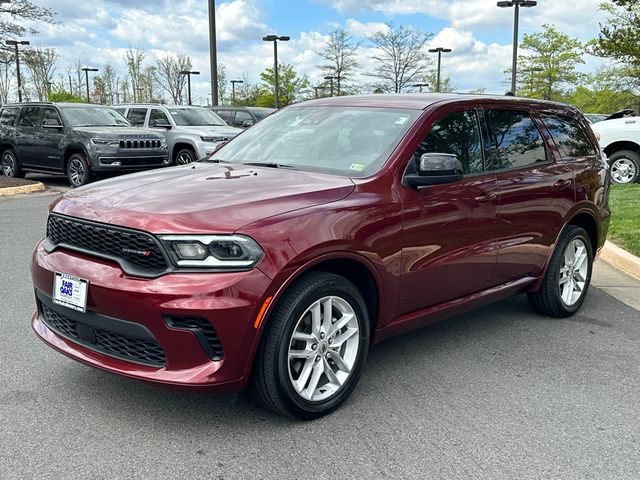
292,87
624,201
606,91
63,96
446,84
548,64
618,38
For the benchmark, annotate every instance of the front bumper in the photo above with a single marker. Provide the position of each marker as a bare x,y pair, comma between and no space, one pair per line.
229,302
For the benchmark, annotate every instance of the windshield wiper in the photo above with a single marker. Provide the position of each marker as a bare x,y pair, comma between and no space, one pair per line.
267,164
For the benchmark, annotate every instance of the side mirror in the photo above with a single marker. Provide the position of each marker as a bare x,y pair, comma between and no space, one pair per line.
51,123
435,169
247,123
161,124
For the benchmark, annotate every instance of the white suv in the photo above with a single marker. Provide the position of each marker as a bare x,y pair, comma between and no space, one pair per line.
191,132
620,141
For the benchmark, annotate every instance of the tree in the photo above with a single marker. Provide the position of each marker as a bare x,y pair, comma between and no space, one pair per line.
618,38
7,73
606,91
133,60
169,78
22,11
446,84
248,93
292,87
401,56
40,63
548,64
340,56
105,84
222,83
64,96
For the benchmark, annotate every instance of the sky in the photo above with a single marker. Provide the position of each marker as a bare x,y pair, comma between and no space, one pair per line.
479,33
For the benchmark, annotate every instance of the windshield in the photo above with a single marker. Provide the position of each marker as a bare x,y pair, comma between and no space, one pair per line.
352,141
94,117
195,117
262,113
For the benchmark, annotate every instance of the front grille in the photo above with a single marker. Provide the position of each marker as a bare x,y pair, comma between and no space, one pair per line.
137,252
139,143
146,351
203,330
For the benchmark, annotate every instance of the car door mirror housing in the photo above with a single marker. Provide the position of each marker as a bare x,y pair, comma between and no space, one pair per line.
247,123
51,123
436,168
161,124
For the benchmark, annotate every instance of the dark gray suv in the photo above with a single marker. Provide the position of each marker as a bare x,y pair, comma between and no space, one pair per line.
79,140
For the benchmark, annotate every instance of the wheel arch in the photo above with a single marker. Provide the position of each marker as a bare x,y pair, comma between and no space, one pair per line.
72,150
620,145
180,144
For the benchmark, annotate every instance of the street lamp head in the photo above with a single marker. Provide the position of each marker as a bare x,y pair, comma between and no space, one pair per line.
284,38
330,77
528,3
195,73
236,81
87,69
188,72
16,42
505,4
439,49
270,38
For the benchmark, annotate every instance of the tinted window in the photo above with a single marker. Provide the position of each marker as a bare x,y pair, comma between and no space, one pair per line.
29,117
514,140
457,133
51,114
195,117
120,110
158,117
224,115
569,136
137,115
242,117
8,116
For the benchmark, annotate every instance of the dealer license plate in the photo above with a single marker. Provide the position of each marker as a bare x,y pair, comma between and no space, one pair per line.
70,291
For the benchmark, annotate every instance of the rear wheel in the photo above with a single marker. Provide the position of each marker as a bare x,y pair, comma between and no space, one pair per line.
184,156
78,171
314,348
625,166
10,166
568,275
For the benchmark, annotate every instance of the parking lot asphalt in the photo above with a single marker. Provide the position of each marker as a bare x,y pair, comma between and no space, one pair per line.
500,393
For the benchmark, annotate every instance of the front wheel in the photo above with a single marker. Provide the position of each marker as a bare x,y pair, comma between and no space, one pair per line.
568,275
625,166
314,348
10,165
185,156
78,172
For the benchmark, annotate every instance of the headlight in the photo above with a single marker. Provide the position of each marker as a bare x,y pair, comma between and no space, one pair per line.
213,251
213,139
105,141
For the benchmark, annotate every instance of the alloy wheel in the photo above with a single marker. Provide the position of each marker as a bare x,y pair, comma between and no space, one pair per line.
623,170
323,348
183,158
77,172
8,165
574,272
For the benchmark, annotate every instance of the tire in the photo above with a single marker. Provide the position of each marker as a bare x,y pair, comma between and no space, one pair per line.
78,171
625,166
568,275
184,156
10,166
284,383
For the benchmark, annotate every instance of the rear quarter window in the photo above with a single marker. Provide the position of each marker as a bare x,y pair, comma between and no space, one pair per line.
569,136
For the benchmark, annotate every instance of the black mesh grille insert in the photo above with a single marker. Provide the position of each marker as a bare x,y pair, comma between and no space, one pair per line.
204,331
137,250
139,350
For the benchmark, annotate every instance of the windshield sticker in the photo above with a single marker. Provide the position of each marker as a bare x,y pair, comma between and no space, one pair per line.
357,166
401,120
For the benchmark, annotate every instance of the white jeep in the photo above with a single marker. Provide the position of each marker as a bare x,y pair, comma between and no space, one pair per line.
620,141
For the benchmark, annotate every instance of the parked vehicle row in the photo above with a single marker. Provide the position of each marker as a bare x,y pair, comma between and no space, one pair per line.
317,233
620,141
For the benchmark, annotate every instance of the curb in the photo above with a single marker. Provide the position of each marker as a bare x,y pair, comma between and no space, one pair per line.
621,259
8,191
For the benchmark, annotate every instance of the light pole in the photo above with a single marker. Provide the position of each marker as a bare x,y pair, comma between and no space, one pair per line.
233,89
15,44
213,53
331,78
439,51
274,39
420,85
188,73
516,18
86,71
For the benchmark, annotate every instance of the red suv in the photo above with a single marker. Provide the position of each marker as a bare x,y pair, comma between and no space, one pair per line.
324,229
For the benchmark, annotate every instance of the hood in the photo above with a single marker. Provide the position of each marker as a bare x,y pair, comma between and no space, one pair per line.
201,197
118,131
221,131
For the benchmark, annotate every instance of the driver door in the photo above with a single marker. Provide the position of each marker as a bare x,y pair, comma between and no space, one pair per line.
449,230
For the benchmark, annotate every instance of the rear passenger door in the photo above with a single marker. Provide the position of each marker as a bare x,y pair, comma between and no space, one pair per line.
137,116
535,191
50,140
26,135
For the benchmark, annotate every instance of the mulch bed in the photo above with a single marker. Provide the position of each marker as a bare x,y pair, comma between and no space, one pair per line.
14,182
